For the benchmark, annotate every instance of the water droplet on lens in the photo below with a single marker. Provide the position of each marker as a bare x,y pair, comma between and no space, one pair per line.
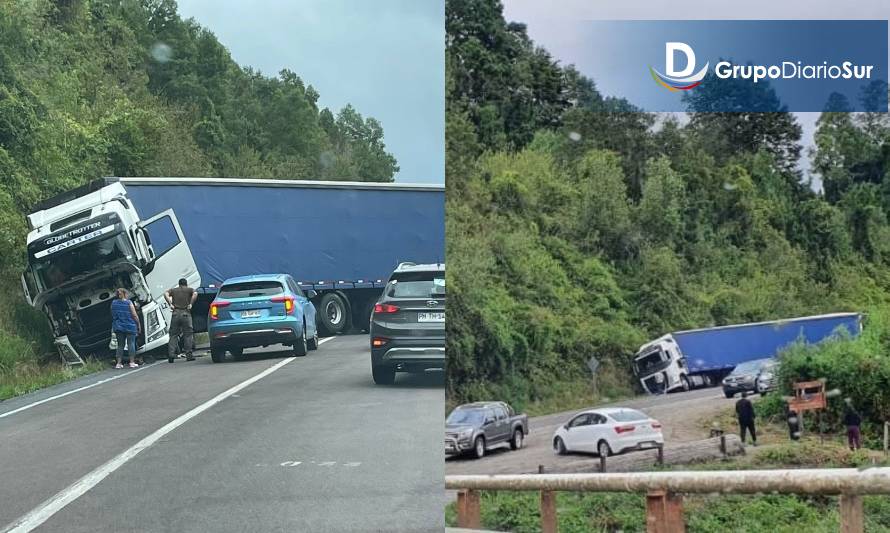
161,52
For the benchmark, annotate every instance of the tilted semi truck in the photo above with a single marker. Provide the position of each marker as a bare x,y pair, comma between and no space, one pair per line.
340,240
701,357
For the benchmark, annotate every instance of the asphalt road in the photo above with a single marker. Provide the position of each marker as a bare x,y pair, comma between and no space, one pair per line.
312,446
681,415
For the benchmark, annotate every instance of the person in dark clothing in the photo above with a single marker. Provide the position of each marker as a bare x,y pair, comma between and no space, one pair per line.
852,420
744,411
181,299
791,417
125,324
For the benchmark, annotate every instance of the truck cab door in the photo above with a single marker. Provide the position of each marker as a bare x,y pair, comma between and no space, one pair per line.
172,257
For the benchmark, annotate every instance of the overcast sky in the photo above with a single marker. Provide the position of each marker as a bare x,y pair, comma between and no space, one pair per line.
385,57
544,24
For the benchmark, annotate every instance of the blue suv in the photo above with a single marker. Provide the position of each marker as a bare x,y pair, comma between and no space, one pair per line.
261,310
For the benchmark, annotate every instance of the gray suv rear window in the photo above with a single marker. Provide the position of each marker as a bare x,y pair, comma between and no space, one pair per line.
248,289
417,285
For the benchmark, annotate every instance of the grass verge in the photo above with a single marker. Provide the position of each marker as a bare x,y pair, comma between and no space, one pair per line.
27,378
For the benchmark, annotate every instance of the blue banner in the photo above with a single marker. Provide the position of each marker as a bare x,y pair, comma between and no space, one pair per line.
738,65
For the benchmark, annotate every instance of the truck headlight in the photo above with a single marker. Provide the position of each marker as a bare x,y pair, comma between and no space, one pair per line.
152,323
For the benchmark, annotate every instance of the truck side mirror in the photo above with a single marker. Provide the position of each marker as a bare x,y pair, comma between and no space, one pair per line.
310,294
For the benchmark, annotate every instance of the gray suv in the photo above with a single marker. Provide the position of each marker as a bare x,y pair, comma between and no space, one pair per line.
408,322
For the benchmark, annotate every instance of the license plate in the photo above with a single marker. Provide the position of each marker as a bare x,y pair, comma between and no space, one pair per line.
431,317
253,313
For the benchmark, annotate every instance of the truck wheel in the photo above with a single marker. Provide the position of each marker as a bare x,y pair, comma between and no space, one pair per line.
217,355
728,394
559,446
300,345
383,374
516,443
237,353
479,448
684,382
333,314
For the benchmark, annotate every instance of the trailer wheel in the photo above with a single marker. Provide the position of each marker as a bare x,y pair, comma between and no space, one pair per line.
333,314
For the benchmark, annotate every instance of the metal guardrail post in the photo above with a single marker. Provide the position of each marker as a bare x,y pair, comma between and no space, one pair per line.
661,454
852,519
602,464
468,509
664,512
549,523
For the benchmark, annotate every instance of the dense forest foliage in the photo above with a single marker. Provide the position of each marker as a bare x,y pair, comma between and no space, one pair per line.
92,88
578,226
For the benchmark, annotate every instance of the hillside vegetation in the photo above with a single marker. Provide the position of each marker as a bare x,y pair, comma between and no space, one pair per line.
578,226
92,88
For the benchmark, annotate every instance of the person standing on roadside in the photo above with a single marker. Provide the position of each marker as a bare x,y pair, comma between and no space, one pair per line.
791,417
744,411
181,299
852,420
125,324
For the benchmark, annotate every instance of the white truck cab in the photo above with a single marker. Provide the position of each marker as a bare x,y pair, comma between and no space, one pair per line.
661,367
86,243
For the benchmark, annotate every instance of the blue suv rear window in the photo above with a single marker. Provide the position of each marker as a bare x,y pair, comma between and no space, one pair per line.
248,289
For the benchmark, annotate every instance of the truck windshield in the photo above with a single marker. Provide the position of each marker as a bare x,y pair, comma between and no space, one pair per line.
650,361
466,416
60,267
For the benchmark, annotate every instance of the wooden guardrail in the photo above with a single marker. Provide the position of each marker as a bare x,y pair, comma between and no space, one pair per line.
664,490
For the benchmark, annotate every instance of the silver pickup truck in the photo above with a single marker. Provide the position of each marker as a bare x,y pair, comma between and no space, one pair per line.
477,427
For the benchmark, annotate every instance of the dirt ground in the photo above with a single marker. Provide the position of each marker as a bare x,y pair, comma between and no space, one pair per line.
684,417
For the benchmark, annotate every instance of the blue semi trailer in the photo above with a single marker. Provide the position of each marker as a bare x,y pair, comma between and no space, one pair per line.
701,357
340,240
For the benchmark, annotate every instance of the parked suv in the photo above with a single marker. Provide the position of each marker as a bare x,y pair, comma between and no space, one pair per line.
261,310
407,329
477,427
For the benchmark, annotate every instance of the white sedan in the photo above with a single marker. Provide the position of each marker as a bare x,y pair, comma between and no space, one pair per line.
608,431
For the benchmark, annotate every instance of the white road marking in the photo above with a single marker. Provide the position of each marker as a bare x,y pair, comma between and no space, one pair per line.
291,463
47,509
90,386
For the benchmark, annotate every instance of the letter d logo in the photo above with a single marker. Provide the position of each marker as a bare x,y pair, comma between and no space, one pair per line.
678,80
670,50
